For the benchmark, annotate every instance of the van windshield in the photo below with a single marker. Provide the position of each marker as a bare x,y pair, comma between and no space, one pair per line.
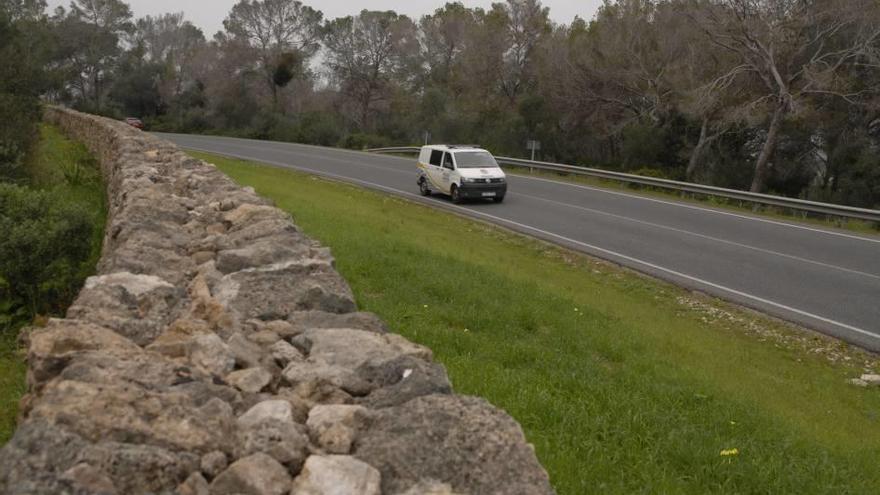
475,159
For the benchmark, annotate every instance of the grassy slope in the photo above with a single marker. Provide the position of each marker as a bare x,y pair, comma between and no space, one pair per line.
624,384
54,155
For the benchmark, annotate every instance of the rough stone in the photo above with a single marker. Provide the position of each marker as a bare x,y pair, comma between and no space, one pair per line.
337,475
196,484
202,257
257,474
430,487
334,427
462,441
135,306
57,451
278,410
128,414
251,380
312,374
140,468
276,291
264,337
260,253
308,320
299,405
402,379
284,441
210,353
871,379
282,328
146,370
176,340
54,347
284,353
246,353
248,214
213,463
350,348
90,479
244,235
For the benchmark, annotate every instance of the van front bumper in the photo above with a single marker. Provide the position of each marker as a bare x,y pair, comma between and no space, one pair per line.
475,191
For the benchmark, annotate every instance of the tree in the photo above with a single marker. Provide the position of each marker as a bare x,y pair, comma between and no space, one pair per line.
84,52
112,15
281,32
527,23
89,36
364,53
171,43
794,49
444,39
20,86
23,9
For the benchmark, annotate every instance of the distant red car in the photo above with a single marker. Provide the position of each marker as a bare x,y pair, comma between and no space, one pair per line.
136,123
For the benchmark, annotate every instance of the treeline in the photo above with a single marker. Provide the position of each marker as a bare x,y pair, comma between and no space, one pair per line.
769,95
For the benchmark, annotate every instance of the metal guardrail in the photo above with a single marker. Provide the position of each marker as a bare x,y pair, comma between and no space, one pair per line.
763,199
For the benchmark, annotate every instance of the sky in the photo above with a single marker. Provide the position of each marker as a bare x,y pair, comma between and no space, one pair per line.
209,14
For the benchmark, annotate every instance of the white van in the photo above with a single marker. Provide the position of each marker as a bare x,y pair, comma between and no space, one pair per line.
463,172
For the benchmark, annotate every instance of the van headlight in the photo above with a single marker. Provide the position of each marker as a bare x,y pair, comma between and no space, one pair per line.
465,180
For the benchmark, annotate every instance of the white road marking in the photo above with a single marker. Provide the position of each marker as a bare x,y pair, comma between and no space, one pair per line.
608,252
710,210
702,236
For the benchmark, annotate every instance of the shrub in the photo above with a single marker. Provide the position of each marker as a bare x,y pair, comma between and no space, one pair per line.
44,247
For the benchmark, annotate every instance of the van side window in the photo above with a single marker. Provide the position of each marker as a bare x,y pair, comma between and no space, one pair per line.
447,161
436,157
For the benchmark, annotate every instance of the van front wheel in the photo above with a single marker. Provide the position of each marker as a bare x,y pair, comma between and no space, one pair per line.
423,187
456,195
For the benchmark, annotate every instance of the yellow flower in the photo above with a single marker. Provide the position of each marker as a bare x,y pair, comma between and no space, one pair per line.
729,452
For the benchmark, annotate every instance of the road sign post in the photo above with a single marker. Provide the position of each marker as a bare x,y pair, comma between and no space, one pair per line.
533,146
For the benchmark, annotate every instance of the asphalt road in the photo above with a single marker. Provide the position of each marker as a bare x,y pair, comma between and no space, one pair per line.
823,279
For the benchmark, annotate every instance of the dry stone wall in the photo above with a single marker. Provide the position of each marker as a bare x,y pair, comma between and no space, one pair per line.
218,351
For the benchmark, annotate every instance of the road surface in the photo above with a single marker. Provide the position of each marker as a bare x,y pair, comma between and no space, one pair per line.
824,279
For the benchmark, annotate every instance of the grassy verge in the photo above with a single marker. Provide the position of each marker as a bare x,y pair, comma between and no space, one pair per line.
623,383
65,169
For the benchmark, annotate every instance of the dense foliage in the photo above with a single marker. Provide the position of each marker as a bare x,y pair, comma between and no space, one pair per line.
45,242
52,221
767,95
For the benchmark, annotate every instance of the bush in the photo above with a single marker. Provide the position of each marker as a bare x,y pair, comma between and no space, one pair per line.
44,247
319,128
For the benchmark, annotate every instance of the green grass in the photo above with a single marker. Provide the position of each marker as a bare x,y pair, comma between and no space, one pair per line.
623,383
12,387
65,168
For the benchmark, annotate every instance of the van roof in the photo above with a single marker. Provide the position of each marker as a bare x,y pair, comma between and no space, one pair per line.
451,147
